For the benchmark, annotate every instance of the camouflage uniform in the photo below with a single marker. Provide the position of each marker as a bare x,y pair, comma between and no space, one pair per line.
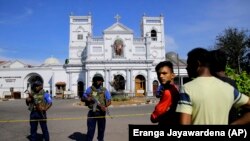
100,97
38,114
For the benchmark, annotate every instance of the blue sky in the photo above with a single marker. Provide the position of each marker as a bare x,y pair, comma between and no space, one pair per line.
33,30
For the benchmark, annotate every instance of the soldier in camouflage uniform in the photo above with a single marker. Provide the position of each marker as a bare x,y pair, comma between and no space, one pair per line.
98,98
39,102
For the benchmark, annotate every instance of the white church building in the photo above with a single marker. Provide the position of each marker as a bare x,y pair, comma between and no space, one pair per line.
118,54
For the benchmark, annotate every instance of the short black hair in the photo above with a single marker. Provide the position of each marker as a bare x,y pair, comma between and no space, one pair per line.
201,55
163,64
218,59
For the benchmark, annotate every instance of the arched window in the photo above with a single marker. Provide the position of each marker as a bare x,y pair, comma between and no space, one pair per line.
118,82
153,35
140,85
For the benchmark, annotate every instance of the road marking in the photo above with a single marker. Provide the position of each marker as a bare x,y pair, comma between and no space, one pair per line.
74,118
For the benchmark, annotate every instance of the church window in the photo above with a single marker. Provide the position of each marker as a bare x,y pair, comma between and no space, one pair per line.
153,21
80,20
140,49
154,35
80,37
97,49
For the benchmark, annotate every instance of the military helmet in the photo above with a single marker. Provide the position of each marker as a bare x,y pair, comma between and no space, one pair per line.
36,83
97,77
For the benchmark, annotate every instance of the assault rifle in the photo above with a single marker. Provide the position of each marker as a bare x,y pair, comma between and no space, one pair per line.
97,103
31,98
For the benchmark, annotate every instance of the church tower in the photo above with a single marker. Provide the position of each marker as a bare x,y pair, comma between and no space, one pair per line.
152,29
80,30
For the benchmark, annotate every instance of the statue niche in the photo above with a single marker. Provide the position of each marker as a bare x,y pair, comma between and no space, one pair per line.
118,48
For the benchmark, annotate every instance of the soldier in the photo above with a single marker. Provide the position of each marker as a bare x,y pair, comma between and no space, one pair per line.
39,102
97,98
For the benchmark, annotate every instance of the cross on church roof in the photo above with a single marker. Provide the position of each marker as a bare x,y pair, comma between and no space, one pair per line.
117,17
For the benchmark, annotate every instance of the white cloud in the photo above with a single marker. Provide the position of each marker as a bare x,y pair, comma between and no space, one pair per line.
216,16
1,50
171,45
5,50
25,61
27,12
17,17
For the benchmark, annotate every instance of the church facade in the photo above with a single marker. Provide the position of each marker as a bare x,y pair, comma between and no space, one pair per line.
127,63
118,53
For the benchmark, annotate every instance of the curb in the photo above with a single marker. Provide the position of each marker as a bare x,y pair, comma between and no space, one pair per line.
124,105
128,105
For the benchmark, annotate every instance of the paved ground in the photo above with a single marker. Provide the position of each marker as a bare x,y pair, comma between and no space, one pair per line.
67,121
131,101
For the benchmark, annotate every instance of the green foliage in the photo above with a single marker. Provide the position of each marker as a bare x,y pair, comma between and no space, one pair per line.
236,44
242,80
119,98
243,83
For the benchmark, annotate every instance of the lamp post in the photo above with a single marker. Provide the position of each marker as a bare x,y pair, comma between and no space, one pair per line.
178,67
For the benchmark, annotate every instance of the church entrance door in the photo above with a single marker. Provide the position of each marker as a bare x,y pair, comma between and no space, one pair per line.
155,86
140,84
80,89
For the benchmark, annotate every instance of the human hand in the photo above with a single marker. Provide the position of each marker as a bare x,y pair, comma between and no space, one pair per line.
90,98
28,99
153,119
103,108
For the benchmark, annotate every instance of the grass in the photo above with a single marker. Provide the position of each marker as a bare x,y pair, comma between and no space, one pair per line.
128,101
125,101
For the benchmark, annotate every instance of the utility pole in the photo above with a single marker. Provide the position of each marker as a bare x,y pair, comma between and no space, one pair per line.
179,77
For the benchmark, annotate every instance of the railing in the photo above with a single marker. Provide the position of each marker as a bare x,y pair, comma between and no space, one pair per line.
97,39
138,40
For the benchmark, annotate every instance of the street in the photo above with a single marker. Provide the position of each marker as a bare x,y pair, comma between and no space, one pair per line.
67,120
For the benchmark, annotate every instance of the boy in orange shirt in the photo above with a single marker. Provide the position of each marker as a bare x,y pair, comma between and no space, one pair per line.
164,112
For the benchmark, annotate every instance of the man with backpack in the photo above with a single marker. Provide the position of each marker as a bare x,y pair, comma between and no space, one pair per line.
39,102
97,98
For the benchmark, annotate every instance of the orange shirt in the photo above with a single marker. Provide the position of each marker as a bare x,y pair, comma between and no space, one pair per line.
165,104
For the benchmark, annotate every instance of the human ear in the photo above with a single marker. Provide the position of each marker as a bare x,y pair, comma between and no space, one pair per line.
173,76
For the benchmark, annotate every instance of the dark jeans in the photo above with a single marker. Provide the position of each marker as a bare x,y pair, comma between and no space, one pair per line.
35,118
91,123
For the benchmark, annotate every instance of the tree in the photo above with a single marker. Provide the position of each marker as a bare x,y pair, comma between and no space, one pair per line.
236,44
242,80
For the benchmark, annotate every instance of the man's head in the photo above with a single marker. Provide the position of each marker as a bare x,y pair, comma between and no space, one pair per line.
197,62
165,72
219,61
97,80
37,86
